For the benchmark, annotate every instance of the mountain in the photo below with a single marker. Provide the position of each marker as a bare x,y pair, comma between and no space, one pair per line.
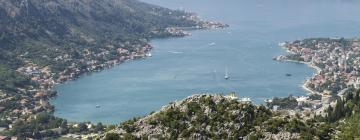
83,22
44,42
43,32
36,27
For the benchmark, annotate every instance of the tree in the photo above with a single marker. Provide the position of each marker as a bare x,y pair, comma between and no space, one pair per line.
349,130
112,136
99,127
83,127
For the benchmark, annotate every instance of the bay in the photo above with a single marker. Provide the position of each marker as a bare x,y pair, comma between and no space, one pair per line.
181,67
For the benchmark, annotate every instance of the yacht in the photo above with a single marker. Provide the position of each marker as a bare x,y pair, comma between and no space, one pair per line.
227,77
175,52
212,44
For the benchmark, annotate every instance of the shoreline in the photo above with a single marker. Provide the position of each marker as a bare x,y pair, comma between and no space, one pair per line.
317,69
142,56
42,91
309,64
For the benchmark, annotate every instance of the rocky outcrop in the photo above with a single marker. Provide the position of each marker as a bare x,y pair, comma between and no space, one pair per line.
199,117
282,136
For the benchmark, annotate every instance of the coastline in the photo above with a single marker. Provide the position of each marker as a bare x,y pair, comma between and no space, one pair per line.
66,66
318,70
180,32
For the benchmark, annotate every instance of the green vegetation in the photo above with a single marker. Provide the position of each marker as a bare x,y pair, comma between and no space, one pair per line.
346,107
112,136
350,128
215,117
10,80
41,33
42,125
64,138
310,129
283,103
207,117
46,125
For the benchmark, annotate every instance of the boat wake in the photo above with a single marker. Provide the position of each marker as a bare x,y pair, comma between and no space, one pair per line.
175,52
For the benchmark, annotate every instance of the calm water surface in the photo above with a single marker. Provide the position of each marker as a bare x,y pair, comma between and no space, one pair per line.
184,66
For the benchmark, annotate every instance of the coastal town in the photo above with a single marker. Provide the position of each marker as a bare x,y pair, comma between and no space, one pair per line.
336,61
35,98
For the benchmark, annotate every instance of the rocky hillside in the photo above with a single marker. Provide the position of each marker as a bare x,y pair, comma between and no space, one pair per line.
33,28
221,117
206,117
86,22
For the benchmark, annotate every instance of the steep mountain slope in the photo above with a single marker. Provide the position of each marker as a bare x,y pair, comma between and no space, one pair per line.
86,22
40,31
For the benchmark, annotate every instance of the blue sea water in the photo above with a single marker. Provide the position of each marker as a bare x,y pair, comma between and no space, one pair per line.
184,66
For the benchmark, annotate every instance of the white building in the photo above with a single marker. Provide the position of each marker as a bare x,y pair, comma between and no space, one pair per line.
357,83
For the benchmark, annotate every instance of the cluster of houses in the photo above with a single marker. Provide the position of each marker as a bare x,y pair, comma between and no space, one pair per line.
337,62
107,57
35,98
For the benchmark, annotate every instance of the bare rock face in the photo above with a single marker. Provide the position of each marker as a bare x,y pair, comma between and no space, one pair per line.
282,136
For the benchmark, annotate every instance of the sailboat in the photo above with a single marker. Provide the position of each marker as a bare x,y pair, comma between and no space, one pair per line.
227,77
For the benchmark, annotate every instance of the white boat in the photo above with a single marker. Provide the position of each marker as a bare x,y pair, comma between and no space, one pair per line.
227,77
174,52
245,99
282,44
149,55
212,44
